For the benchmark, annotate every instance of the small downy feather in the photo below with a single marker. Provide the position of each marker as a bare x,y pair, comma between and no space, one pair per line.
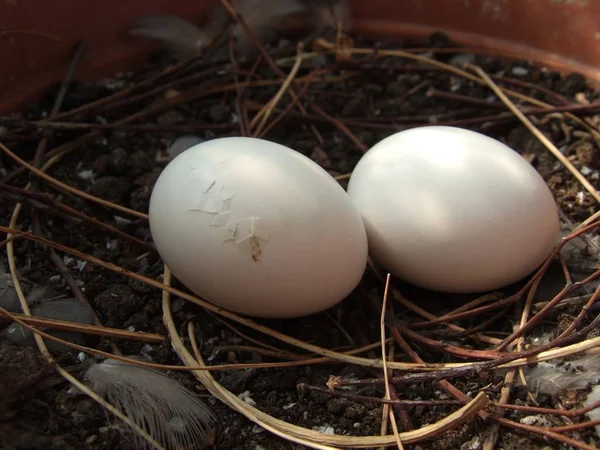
167,411
42,304
327,13
262,16
265,16
178,35
554,376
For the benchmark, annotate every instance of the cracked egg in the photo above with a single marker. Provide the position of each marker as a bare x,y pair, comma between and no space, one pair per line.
257,228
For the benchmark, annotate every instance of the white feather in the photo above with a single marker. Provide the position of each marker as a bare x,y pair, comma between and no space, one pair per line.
171,414
552,377
261,16
180,36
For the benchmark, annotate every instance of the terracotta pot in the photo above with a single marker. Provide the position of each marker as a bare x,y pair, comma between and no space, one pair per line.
37,37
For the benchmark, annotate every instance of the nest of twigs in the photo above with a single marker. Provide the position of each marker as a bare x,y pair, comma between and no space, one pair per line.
465,358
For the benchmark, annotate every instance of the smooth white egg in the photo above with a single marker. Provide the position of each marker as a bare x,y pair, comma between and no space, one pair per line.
453,210
257,228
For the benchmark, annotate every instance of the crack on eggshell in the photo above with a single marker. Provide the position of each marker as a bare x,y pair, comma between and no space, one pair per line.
249,229
216,201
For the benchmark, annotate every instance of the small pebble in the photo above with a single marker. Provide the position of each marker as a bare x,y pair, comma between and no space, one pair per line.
519,71
181,144
118,161
146,352
473,444
355,107
455,86
537,420
245,396
101,141
113,189
140,162
395,89
121,220
86,174
171,118
325,429
218,113
587,154
462,59
114,84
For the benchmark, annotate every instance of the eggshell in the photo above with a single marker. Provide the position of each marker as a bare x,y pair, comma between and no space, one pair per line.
257,228
453,210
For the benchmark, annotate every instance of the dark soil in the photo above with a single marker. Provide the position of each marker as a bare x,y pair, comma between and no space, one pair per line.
38,409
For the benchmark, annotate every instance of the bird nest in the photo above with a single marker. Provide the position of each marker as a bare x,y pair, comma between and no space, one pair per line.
392,365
